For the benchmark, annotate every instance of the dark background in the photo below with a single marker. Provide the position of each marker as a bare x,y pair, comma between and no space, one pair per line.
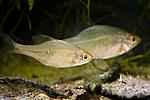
55,17
21,19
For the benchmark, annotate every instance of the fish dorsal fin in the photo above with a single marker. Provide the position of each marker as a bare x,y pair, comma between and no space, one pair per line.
87,34
97,30
41,38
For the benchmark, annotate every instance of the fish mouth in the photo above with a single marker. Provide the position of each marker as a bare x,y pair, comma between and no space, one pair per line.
139,40
91,58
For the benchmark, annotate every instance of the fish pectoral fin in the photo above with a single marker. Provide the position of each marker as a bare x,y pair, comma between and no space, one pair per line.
37,39
100,64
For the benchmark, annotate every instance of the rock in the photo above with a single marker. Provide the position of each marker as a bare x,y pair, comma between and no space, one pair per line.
128,87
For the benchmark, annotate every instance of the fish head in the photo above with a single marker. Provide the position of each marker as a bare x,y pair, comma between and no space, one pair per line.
81,57
132,40
129,42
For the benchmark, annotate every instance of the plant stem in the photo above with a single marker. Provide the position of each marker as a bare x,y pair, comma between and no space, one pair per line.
88,10
17,24
7,14
64,16
141,16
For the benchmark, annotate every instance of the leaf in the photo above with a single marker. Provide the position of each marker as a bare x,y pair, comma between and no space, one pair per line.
31,2
18,5
29,22
1,2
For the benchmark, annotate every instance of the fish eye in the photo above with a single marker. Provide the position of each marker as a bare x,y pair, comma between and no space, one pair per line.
85,57
133,39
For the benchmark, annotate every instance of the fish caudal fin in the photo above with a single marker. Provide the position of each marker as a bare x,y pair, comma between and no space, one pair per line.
7,45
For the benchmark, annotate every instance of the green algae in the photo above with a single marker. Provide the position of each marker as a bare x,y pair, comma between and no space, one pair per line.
17,68
26,67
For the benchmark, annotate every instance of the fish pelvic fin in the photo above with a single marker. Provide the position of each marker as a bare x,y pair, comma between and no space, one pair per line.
7,45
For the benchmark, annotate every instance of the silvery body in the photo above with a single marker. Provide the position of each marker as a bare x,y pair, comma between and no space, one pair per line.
103,41
56,53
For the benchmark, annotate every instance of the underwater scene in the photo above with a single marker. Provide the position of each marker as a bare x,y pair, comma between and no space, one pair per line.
74,49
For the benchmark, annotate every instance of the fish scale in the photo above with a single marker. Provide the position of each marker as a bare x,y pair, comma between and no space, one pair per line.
56,53
103,41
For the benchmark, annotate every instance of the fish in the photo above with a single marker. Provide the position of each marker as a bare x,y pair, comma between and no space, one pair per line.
101,41
104,41
56,53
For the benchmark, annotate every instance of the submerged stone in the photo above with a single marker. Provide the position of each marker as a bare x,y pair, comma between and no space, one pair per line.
128,87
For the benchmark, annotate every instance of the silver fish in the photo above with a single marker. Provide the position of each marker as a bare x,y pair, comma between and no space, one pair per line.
103,41
55,52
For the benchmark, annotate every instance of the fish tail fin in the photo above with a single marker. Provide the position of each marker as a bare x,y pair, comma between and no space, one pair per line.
7,45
